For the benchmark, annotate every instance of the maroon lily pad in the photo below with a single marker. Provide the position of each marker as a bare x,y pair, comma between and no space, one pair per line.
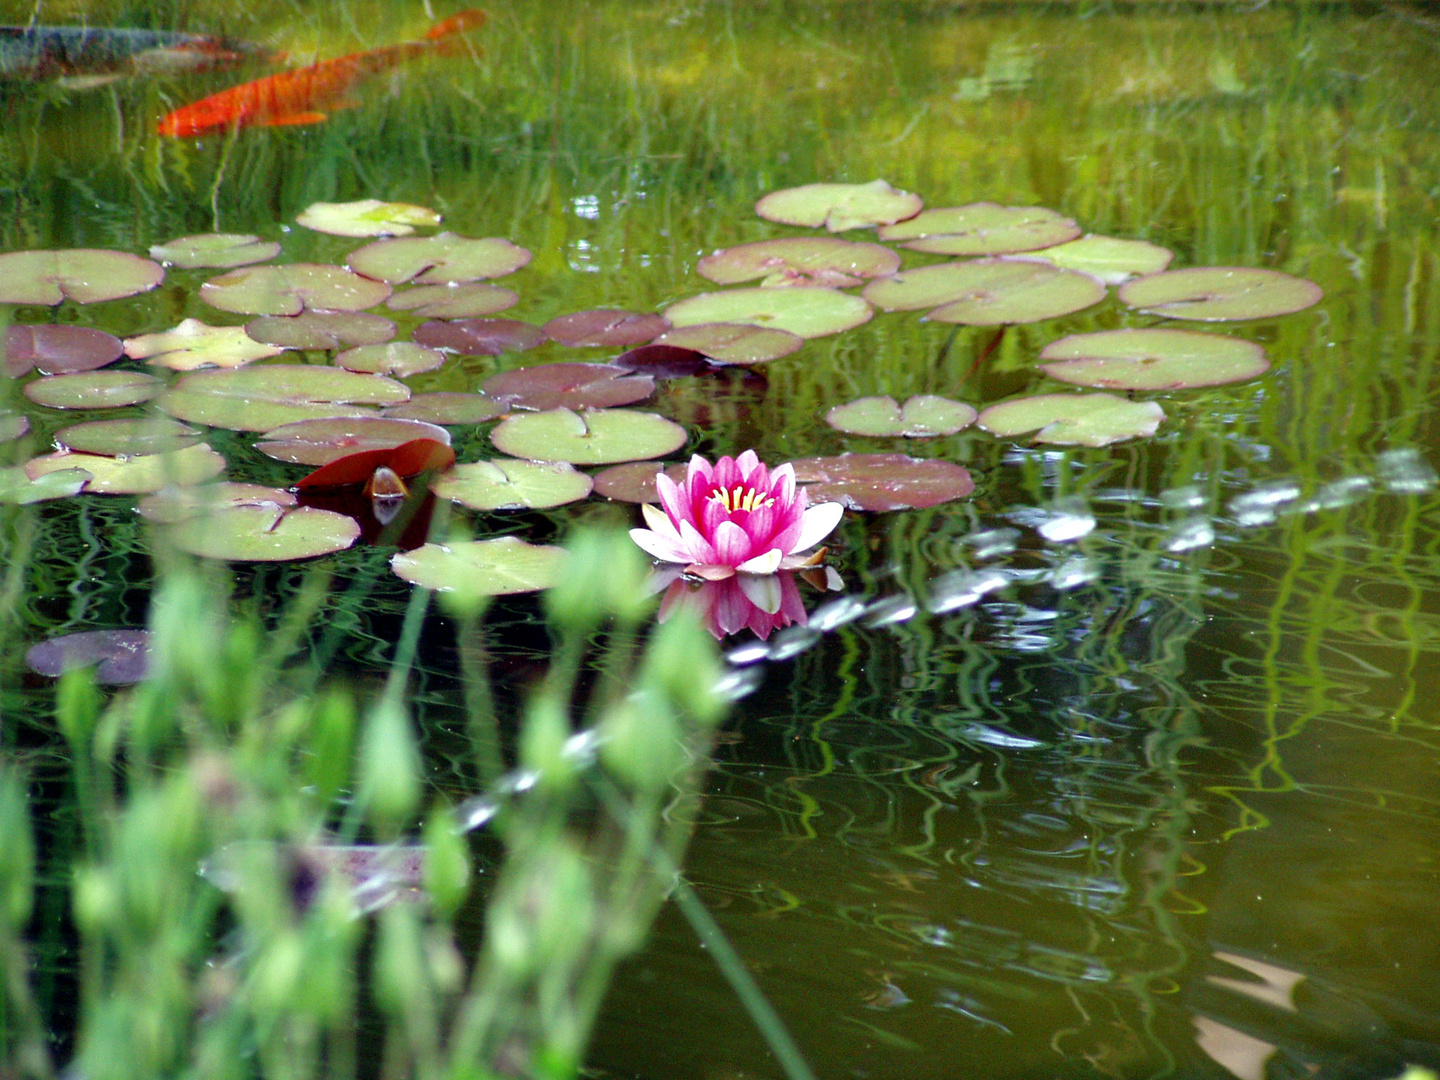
882,481
221,251
94,389
59,350
471,300
1220,293
122,656
799,260
604,328
291,288
570,386
983,228
438,259
327,330
734,343
448,407
634,481
84,275
839,206
479,337
319,442
663,361
406,460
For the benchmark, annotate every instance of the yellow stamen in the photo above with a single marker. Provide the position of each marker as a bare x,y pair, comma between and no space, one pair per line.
741,498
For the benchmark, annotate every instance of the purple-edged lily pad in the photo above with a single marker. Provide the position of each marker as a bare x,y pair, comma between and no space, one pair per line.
192,344
634,481
84,275
1152,359
983,228
327,330
366,217
1073,419
58,350
129,437
18,489
470,300
569,386
12,425
509,484
94,389
319,442
610,328
805,311
473,570
479,337
663,361
291,288
448,407
1112,259
221,251
136,475
1220,293
264,533
172,505
799,260
122,656
839,206
921,416
879,482
438,259
264,397
588,437
987,292
734,343
398,359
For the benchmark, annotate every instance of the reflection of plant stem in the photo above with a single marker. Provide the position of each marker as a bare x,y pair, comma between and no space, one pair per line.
484,725
985,353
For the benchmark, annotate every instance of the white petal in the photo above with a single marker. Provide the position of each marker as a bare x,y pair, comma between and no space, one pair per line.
659,521
659,547
761,564
817,523
764,592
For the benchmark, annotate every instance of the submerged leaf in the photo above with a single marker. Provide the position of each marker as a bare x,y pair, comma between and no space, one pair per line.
122,656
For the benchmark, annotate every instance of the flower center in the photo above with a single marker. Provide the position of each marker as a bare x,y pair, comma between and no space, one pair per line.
740,498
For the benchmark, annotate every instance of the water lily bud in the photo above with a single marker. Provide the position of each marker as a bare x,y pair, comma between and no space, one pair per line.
640,741
605,576
681,659
17,853
447,862
389,767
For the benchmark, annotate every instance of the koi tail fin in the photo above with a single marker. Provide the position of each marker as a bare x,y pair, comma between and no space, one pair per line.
456,24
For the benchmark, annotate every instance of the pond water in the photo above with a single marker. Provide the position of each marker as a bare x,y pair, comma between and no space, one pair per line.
1158,797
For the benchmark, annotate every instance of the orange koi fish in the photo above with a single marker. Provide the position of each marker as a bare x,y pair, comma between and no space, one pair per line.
303,95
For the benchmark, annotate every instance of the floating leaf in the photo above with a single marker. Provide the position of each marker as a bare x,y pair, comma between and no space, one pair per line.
504,484
983,228
839,206
922,415
467,301
84,275
634,481
321,329
136,475
398,359
479,337
18,489
882,481
569,386
319,442
800,260
94,389
1220,293
438,259
406,460
366,217
264,397
57,350
447,407
806,311
122,656
290,289
1111,259
590,437
604,328
475,569
130,437
193,345
1073,419
12,425
264,533
733,343
663,361
172,505
1152,359
221,251
987,292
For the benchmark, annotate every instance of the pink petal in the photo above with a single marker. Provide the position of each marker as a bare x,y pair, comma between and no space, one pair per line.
732,546
701,550
817,523
782,484
747,461
672,497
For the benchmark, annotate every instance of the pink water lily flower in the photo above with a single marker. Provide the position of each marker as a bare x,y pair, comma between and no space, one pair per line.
735,517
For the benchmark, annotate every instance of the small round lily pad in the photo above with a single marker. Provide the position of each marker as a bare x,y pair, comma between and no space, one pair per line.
1220,293
610,328
319,442
291,288
879,482
508,484
366,217
263,397
588,437
264,533
192,344
921,416
1073,419
470,300
806,312
327,330
571,386
58,350
221,251
135,475
84,275
122,656
1112,259
734,343
987,292
448,407
839,206
799,260
129,437
438,259
475,569
479,337
983,228
398,359
94,389
1152,359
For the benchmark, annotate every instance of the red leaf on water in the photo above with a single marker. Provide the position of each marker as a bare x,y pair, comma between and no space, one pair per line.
406,460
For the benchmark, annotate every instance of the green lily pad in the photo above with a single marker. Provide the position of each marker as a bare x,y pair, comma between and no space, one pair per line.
479,337
504,484
438,259
1220,293
806,311
880,482
172,505
94,389
366,217
58,350
474,569
290,289
839,206
609,328
987,292
470,300
17,488
192,344
1073,419
983,228
398,359
568,386
1152,359
12,425
84,275
799,260
264,397
327,330
448,407
264,533
222,251
136,475
589,437
1110,258
922,416
130,437
733,343
319,442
